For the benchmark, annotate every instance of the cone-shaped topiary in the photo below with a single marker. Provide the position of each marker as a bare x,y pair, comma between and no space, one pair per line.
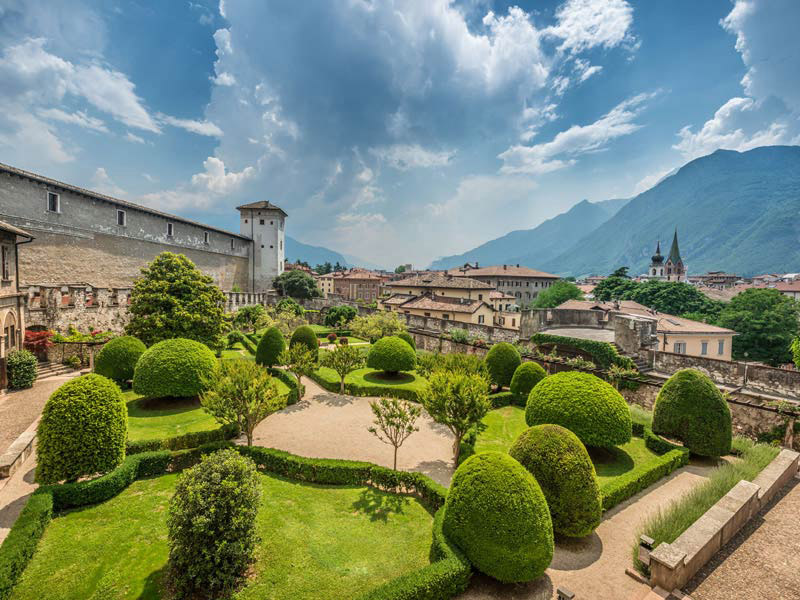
408,339
502,360
391,354
117,359
306,336
270,347
527,375
83,430
173,368
586,405
497,514
690,408
562,467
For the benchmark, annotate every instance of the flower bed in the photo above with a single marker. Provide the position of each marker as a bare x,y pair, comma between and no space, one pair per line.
370,382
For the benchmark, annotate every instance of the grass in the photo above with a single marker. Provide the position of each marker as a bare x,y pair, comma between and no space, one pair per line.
366,378
503,427
668,524
316,542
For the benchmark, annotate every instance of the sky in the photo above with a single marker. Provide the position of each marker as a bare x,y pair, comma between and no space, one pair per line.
393,130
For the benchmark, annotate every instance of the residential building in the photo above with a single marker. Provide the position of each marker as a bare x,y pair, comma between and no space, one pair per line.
790,289
289,266
440,284
325,284
502,302
357,284
521,282
448,308
716,279
12,302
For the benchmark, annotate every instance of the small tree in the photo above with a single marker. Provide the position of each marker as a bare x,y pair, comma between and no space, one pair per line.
299,361
339,316
377,325
394,422
248,317
556,294
241,392
297,284
291,305
343,359
796,352
456,401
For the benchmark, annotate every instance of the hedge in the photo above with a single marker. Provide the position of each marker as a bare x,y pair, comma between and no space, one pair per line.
21,368
305,335
603,354
331,383
270,347
392,355
173,368
117,359
20,545
502,360
526,376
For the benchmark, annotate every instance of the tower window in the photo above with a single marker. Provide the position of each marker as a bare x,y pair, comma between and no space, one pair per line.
121,219
232,244
206,238
245,221
53,202
261,221
170,229
271,222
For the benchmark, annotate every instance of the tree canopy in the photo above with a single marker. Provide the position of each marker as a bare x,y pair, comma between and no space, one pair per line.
556,294
297,284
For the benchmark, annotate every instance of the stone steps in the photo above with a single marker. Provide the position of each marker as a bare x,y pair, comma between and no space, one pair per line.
45,370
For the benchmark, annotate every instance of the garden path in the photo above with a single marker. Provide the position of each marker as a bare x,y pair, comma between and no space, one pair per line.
14,495
328,425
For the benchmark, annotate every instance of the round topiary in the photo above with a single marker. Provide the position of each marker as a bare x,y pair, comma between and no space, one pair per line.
408,339
212,526
502,360
391,354
270,347
173,368
690,408
21,367
117,359
586,405
497,514
527,375
306,336
562,467
83,430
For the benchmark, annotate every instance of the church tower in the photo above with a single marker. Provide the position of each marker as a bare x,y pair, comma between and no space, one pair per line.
657,264
675,269
263,223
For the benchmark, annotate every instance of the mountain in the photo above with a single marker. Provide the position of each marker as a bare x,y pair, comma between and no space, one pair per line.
734,211
313,255
531,247
357,261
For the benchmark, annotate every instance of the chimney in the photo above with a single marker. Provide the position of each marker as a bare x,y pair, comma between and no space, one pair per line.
476,264
518,265
505,267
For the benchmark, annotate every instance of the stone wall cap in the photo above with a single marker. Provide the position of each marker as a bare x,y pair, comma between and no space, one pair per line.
668,555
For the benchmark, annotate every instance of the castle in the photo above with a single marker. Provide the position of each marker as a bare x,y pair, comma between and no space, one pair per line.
84,237
671,270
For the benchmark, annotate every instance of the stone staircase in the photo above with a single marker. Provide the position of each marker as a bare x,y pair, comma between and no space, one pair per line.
46,370
641,363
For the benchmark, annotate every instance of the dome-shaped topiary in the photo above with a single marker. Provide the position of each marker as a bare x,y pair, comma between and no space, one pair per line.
690,408
562,467
502,360
408,339
270,347
586,405
117,359
306,336
83,430
497,514
391,354
527,375
173,368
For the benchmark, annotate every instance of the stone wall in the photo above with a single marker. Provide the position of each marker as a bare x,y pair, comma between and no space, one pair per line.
535,320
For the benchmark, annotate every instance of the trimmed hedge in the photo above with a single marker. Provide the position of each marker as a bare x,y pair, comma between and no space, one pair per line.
526,376
117,359
497,515
305,335
173,368
586,405
270,347
21,368
690,408
562,467
331,383
603,354
392,355
502,360
20,545
408,339
625,486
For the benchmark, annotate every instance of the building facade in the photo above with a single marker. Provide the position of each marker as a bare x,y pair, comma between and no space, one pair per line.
523,283
12,300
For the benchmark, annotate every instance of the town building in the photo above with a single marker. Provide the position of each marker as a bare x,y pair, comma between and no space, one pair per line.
440,284
448,308
788,288
325,284
523,283
673,268
12,301
290,266
353,284
716,279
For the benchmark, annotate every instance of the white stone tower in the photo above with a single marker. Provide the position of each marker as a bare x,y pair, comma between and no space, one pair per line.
264,223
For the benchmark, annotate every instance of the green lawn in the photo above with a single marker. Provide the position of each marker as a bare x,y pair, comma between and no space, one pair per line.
234,353
371,378
316,542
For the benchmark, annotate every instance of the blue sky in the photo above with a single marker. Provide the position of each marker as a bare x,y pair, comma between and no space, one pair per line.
394,130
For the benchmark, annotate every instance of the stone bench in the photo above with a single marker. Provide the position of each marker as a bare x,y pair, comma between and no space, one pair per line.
17,453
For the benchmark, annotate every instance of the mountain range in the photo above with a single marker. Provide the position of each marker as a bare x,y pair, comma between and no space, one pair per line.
313,255
734,211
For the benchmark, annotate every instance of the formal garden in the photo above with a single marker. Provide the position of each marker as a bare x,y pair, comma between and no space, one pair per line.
151,486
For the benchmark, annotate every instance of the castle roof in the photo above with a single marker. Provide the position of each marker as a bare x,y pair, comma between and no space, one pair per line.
657,258
262,205
674,252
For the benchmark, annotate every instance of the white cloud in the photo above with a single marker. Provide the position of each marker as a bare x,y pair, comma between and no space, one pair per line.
410,156
79,118
224,78
566,146
102,182
584,70
31,139
199,127
131,137
586,24
217,180
150,178
649,181
351,220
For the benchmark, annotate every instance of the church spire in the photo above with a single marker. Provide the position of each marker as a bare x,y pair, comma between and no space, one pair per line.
674,252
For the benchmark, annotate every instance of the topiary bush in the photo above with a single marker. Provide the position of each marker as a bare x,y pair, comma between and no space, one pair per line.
339,316
586,405
212,526
306,336
497,515
117,359
270,347
83,430
408,339
392,355
690,408
562,467
527,375
502,360
21,369
173,368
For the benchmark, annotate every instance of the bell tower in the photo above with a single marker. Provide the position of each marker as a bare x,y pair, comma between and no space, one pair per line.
657,264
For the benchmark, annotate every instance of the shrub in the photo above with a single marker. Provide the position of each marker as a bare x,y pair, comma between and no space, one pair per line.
391,354
290,305
173,368
460,336
73,360
586,405
212,526
21,368
562,467
38,342
306,336
340,315
502,360
527,375
117,359
603,354
20,545
408,339
83,430
270,347
332,337
690,408
496,514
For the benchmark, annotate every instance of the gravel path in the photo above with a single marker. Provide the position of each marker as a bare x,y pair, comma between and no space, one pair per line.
762,560
14,494
328,425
